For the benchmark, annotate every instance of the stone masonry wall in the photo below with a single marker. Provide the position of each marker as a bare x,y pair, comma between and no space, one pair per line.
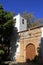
27,37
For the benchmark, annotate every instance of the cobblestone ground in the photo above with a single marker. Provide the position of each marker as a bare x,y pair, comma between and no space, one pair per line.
30,63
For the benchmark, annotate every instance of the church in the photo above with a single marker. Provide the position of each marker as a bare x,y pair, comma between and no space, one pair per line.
29,42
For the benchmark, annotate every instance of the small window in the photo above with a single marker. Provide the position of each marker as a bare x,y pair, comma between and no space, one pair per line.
15,20
22,21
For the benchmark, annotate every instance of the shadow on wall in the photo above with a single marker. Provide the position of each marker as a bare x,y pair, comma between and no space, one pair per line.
39,58
13,45
41,45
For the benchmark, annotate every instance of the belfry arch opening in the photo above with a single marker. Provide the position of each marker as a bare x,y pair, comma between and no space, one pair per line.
30,52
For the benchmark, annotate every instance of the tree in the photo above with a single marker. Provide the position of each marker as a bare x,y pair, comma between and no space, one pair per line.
31,20
6,28
39,21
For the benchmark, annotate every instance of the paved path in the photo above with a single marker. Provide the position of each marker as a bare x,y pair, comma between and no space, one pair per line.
30,63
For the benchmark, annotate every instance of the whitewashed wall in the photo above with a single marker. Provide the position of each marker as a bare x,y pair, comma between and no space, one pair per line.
42,31
19,25
42,43
23,26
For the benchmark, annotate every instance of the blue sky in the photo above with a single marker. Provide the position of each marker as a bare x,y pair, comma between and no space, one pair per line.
19,6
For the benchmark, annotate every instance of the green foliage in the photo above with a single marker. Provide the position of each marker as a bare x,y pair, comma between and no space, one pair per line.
5,17
6,28
9,22
2,52
9,15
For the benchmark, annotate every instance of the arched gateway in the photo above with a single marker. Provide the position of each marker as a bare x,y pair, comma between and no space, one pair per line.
29,44
30,52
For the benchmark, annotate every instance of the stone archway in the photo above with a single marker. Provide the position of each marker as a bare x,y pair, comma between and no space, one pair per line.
30,52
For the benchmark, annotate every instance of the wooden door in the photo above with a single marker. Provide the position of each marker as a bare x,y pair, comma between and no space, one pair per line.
30,52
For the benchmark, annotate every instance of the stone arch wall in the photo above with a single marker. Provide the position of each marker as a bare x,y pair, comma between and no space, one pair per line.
30,42
25,39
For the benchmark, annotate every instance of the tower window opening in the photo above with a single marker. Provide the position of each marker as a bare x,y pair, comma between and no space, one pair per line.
15,20
22,21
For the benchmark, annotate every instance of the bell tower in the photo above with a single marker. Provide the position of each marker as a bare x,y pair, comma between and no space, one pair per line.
21,23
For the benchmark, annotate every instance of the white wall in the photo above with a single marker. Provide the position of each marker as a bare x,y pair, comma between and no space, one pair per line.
23,26
42,31
19,25
42,43
18,50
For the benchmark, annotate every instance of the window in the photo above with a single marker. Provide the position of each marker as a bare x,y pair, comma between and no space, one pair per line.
15,20
22,21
